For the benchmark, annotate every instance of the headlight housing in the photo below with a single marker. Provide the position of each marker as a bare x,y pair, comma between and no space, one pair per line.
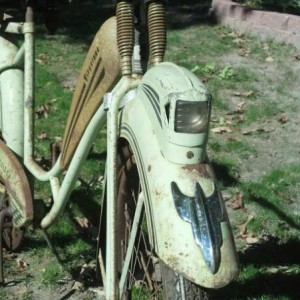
191,116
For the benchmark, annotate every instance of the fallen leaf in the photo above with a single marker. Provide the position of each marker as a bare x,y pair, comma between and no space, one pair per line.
243,227
42,59
195,69
247,132
39,61
10,256
239,106
22,263
250,239
78,286
83,222
269,59
266,46
243,93
283,119
43,111
240,42
42,135
226,196
251,131
221,130
101,179
236,201
87,272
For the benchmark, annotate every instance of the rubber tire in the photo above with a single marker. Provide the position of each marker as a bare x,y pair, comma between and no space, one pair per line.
177,287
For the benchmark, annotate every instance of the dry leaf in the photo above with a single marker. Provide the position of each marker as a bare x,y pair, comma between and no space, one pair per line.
221,130
42,135
236,201
239,106
226,196
251,131
243,227
243,93
283,119
244,52
39,61
83,222
78,286
22,263
42,58
42,111
250,239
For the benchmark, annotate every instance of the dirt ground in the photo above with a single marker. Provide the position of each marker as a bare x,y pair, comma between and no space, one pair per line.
279,143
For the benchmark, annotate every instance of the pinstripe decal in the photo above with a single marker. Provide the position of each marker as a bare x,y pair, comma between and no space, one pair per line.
130,133
152,90
154,100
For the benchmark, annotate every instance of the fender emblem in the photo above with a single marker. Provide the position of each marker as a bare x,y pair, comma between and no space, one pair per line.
204,214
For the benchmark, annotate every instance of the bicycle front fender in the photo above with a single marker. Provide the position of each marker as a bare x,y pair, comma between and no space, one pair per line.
189,228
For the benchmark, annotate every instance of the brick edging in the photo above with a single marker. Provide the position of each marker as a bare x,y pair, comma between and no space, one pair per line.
282,27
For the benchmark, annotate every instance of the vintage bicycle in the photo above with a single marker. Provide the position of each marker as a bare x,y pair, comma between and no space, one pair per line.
164,226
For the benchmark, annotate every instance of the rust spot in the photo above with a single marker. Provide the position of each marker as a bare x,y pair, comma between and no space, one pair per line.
199,168
190,154
149,168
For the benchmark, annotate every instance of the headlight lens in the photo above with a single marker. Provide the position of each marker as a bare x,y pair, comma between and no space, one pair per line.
191,117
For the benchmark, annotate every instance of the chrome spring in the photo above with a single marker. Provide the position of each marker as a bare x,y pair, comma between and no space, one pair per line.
157,31
125,34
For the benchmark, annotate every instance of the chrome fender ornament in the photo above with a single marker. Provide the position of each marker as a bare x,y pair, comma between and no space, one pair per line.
204,214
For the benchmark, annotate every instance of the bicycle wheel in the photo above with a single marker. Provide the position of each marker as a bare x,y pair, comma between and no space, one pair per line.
147,276
16,208
12,236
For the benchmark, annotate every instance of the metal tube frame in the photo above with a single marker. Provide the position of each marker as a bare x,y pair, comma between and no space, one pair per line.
124,85
61,192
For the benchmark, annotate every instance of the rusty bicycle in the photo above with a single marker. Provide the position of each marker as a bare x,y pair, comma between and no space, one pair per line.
164,222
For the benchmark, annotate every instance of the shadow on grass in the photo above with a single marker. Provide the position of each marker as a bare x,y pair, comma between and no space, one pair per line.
281,215
80,22
281,284
223,175
182,14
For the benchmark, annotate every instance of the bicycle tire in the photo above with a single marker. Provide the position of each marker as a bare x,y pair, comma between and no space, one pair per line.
158,281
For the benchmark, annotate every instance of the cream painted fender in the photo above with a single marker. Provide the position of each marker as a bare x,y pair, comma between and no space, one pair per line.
11,98
173,168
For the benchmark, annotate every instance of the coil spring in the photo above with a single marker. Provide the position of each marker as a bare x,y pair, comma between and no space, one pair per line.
125,34
157,31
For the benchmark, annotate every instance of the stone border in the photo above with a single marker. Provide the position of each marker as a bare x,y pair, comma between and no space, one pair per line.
280,26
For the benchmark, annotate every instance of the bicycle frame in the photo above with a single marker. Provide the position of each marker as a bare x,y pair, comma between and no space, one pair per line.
130,94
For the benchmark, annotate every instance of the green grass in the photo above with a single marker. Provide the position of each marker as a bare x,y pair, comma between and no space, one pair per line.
52,273
233,145
258,113
272,198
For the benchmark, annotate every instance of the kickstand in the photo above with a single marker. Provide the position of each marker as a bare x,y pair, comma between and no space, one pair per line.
50,244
